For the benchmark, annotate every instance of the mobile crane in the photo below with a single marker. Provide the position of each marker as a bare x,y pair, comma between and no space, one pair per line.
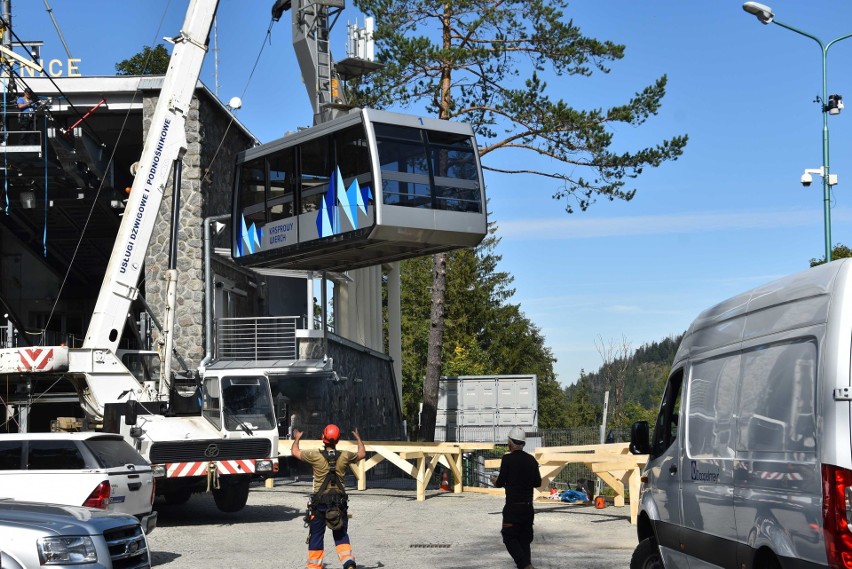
217,434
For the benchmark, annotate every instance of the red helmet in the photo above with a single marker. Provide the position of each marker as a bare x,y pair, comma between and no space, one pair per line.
331,434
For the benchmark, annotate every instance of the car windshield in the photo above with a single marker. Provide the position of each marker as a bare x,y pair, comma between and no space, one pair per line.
247,404
111,452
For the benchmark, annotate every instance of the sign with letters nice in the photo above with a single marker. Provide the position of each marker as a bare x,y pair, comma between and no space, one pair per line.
52,68
55,68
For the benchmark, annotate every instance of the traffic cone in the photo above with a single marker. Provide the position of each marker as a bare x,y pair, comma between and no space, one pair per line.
445,481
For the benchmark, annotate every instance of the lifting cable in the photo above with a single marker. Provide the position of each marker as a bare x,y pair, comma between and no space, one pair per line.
43,148
52,82
101,185
46,203
266,38
5,154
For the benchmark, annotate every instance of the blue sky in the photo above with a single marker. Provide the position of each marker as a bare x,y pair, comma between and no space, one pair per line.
729,215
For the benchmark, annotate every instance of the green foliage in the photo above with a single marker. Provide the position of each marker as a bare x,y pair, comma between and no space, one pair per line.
484,333
580,410
484,62
632,412
838,252
645,378
149,61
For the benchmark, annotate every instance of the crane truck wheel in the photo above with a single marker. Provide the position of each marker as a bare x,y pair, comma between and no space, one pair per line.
232,494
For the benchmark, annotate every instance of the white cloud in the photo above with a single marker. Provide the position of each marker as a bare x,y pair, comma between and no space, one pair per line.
568,227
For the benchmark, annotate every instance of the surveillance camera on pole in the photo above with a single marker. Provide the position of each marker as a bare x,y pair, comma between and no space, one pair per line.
807,177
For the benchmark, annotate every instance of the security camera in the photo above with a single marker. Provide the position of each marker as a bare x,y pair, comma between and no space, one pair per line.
807,179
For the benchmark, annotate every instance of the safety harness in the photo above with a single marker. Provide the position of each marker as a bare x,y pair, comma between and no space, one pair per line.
336,501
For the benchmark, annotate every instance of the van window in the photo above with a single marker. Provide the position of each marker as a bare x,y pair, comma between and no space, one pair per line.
776,410
10,455
110,452
54,455
665,430
710,413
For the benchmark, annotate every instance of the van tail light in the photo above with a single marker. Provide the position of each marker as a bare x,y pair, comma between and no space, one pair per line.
99,498
837,515
153,489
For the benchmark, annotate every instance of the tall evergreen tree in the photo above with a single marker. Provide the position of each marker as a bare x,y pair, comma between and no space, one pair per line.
149,61
485,333
463,60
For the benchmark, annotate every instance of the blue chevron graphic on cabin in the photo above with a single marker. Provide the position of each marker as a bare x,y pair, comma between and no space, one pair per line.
337,203
250,238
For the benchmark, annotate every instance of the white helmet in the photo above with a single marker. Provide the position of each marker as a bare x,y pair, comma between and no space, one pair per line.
518,435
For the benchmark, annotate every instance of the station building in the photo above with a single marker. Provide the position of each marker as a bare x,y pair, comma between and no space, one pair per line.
321,335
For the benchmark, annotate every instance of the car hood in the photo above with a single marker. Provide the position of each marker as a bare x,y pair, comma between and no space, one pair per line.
56,518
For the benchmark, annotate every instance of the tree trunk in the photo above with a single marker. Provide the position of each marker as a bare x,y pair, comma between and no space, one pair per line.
439,268
436,343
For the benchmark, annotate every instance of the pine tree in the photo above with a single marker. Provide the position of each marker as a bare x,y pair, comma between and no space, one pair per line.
481,61
149,61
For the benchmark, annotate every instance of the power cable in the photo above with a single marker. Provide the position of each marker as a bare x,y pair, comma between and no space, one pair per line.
266,38
14,75
100,186
58,30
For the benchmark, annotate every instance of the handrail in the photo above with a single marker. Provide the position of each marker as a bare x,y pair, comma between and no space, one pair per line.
263,338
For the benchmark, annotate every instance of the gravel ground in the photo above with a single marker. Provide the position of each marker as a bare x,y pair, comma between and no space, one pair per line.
388,528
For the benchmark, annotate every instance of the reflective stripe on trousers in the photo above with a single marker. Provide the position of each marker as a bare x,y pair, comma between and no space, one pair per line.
316,541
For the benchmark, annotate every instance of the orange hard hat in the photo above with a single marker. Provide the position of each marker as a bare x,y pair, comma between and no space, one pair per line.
331,434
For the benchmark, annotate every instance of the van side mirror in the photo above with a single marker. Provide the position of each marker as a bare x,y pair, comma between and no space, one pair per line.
640,440
131,412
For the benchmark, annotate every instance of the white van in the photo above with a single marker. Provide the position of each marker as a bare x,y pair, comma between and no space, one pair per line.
750,460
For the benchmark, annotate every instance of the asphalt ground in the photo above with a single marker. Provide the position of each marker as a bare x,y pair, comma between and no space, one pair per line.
388,528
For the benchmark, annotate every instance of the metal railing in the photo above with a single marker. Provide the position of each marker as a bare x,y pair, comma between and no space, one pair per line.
12,338
266,338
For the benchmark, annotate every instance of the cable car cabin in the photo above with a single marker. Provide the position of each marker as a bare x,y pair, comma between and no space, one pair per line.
363,189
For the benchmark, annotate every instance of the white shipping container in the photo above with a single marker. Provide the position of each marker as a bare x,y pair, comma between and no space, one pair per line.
486,407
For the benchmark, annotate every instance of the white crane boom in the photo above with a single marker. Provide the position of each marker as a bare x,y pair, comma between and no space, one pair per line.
165,143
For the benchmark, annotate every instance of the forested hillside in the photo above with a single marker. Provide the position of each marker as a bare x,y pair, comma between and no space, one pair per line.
635,383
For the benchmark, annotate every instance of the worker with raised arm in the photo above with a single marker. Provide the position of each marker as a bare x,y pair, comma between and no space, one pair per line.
329,505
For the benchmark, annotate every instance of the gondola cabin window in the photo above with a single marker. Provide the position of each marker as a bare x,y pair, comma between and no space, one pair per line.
359,190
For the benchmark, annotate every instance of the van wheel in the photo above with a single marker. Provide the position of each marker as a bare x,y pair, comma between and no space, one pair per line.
232,494
178,497
646,555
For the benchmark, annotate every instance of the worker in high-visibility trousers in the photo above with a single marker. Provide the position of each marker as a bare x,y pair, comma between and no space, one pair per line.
329,505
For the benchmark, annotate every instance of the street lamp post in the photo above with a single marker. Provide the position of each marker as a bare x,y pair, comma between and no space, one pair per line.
830,105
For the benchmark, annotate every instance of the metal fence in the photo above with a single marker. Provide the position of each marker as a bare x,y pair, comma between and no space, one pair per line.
267,338
11,338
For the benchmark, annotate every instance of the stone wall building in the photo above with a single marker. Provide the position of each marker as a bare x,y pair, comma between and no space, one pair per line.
343,376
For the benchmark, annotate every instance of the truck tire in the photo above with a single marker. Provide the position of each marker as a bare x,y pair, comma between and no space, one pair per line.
647,555
232,494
